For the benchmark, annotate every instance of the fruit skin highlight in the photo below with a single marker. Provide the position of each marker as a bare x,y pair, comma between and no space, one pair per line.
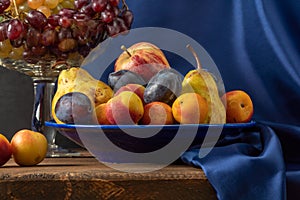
190,108
28,147
5,150
239,106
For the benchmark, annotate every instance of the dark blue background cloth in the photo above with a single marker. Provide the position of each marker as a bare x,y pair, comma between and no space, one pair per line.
256,46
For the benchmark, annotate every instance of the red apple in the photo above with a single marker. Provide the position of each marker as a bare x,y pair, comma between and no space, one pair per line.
143,58
239,106
28,147
5,150
136,88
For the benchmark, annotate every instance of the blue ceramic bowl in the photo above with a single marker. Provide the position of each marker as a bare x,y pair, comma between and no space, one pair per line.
142,138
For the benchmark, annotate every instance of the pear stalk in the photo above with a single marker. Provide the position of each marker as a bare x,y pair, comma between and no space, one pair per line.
125,49
199,66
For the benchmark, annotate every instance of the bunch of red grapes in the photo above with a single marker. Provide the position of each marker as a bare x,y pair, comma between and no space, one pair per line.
77,29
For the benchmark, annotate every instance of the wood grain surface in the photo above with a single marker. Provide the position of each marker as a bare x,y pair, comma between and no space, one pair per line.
86,178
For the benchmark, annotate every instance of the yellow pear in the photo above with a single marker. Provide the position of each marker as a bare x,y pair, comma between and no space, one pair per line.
203,83
77,79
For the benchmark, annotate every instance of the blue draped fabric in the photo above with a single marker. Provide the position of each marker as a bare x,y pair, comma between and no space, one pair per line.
248,165
256,46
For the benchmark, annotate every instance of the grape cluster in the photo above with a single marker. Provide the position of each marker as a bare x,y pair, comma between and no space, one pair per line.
4,4
47,7
70,30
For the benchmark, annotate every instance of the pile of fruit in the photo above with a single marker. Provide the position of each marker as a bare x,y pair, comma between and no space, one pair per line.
27,148
35,30
144,89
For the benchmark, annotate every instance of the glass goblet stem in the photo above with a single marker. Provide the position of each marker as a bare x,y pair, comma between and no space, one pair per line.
44,90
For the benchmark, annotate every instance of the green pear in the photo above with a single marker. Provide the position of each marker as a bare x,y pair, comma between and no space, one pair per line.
203,83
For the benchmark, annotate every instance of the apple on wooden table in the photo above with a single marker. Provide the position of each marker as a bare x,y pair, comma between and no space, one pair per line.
5,150
28,147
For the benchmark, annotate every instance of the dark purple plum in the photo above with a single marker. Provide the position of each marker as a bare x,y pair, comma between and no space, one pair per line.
123,77
165,87
75,107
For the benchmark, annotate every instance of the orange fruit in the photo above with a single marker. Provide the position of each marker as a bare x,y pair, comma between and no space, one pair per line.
239,106
190,108
157,113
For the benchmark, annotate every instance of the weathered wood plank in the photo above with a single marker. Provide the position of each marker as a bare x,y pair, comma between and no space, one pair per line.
86,178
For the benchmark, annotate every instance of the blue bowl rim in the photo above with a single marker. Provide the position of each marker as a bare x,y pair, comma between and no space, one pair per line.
173,126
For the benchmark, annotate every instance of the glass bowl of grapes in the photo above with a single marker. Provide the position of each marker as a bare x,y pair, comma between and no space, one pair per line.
40,38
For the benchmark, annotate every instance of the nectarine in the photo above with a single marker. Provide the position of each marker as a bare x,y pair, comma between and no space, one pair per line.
239,106
125,108
157,113
190,108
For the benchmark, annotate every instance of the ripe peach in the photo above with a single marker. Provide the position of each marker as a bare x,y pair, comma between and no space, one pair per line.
125,108
136,88
28,147
190,108
157,113
5,150
239,106
101,114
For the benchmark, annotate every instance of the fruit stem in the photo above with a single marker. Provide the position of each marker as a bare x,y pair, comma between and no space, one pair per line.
199,66
125,5
125,49
16,9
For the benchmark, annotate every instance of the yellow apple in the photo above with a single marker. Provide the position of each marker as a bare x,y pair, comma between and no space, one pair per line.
28,147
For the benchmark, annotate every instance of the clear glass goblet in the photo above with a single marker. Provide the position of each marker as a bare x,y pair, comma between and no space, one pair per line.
44,75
